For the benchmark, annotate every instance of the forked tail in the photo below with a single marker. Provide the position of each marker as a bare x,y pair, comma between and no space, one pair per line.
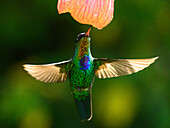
84,107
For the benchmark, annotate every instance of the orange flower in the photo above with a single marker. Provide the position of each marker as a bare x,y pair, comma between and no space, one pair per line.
98,13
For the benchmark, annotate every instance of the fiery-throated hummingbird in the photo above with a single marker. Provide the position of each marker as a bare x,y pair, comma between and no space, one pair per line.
81,71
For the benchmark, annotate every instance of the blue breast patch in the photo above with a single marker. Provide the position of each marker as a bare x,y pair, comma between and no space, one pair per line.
85,63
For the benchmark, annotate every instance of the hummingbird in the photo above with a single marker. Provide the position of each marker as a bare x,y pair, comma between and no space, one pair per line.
81,71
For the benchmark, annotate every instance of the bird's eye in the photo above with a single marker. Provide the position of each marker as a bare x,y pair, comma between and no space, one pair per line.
80,36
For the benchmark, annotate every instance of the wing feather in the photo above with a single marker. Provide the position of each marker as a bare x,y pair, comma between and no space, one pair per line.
55,72
106,68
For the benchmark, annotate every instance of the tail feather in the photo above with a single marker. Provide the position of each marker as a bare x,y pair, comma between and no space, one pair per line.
84,108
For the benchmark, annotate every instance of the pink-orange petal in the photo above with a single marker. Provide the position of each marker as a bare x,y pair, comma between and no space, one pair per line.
98,13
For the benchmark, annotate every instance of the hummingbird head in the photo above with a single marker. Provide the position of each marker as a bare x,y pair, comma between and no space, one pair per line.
83,44
83,37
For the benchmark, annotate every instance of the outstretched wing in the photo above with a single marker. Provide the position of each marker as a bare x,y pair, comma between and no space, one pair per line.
106,68
49,73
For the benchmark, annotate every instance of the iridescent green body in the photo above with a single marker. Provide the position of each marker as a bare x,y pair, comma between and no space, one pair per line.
82,75
82,71
81,81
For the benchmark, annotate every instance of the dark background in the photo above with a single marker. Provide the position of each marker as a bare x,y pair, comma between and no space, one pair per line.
32,31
